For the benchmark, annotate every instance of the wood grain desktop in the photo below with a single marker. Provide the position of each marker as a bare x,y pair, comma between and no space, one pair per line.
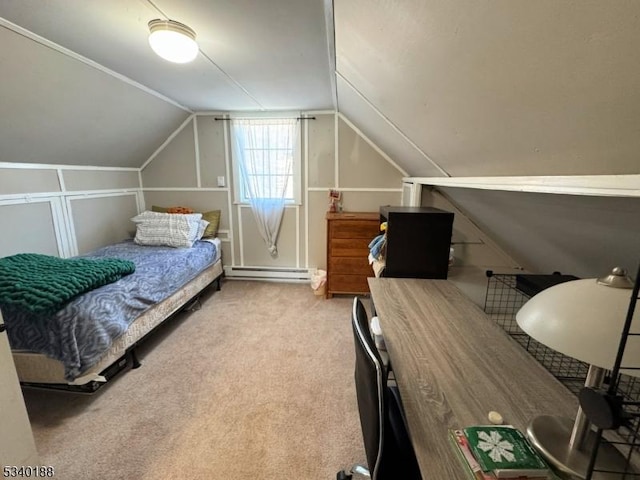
454,365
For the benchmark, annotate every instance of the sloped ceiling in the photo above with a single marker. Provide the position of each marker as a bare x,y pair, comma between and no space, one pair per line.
82,86
500,87
253,55
443,87
57,110
578,235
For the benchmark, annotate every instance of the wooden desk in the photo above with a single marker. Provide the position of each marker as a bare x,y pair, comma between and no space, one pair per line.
453,365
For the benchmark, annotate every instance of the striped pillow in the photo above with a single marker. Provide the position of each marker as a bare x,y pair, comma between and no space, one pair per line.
153,228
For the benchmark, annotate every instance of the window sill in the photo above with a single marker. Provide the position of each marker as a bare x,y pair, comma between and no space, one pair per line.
287,204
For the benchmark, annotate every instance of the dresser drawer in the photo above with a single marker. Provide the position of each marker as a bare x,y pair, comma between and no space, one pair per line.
354,229
352,265
349,247
348,283
348,237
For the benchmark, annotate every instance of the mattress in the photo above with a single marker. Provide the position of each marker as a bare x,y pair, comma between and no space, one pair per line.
36,367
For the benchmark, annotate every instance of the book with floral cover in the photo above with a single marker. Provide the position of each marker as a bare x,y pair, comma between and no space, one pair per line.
504,451
461,446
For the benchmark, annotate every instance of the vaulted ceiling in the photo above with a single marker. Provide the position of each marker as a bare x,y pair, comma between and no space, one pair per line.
253,55
498,87
444,87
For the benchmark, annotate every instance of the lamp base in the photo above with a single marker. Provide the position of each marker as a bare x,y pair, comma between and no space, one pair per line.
550,435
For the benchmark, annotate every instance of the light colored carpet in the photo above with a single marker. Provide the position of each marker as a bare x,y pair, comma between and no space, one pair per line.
257,384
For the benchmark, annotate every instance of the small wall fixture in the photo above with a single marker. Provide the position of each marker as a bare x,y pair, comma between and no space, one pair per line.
173,41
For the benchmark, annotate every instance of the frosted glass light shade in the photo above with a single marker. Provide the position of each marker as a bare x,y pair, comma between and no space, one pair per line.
584,320
173,41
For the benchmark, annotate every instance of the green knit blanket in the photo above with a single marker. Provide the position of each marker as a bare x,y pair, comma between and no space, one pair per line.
44,284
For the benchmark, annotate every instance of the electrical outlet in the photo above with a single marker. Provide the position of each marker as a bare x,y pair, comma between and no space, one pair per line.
221,181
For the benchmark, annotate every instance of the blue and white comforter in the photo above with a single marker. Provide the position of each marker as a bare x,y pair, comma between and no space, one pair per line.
80,333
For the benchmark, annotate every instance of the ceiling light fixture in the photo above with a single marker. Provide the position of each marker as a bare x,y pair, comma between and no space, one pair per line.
173,41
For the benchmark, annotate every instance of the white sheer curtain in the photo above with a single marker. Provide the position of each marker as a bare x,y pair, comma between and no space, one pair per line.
264,150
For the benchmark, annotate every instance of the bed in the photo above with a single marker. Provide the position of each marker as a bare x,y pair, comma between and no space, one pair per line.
94,336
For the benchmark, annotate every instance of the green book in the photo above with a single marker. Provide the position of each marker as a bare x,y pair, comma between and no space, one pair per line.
504,451
461,446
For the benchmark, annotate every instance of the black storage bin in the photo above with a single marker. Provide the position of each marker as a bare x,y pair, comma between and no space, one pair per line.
532,284
418,241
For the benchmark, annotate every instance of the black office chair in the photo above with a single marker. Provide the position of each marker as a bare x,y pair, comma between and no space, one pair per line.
387,444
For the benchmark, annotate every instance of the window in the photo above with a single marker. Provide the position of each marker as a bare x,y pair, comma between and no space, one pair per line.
266,158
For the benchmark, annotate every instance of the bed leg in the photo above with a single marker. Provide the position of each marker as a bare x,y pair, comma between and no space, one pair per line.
135,363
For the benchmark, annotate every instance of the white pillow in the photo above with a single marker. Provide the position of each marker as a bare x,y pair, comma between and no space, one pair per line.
170,229
201,229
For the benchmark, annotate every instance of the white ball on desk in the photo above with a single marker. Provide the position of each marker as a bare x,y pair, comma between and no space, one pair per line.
495,418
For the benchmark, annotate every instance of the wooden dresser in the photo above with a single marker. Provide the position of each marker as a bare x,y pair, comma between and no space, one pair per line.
348,238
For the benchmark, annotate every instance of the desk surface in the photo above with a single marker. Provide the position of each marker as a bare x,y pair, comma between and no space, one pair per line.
453,365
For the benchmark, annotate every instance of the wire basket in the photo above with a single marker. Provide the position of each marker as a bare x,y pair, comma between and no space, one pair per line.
503,299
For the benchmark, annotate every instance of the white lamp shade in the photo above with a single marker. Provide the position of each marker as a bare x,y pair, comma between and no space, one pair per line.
173,41
583,320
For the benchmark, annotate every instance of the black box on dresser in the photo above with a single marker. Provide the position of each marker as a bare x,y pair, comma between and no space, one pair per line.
418,241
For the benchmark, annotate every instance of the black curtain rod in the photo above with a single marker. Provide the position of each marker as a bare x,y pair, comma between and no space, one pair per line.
263,118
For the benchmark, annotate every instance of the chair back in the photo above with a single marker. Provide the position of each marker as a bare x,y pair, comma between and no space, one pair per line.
370,387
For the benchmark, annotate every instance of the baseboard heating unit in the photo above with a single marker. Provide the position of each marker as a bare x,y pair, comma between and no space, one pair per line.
268,273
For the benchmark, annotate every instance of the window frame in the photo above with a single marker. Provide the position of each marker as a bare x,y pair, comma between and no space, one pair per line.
239,197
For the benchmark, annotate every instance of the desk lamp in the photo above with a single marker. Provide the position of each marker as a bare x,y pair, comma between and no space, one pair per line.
582,319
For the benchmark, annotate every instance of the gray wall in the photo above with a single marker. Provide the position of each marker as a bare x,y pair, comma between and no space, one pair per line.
27,228
182,174
545,87
59,110
581,235
103,220
65,211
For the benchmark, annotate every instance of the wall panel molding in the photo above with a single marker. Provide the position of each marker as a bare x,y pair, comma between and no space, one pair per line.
593,185
60,202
